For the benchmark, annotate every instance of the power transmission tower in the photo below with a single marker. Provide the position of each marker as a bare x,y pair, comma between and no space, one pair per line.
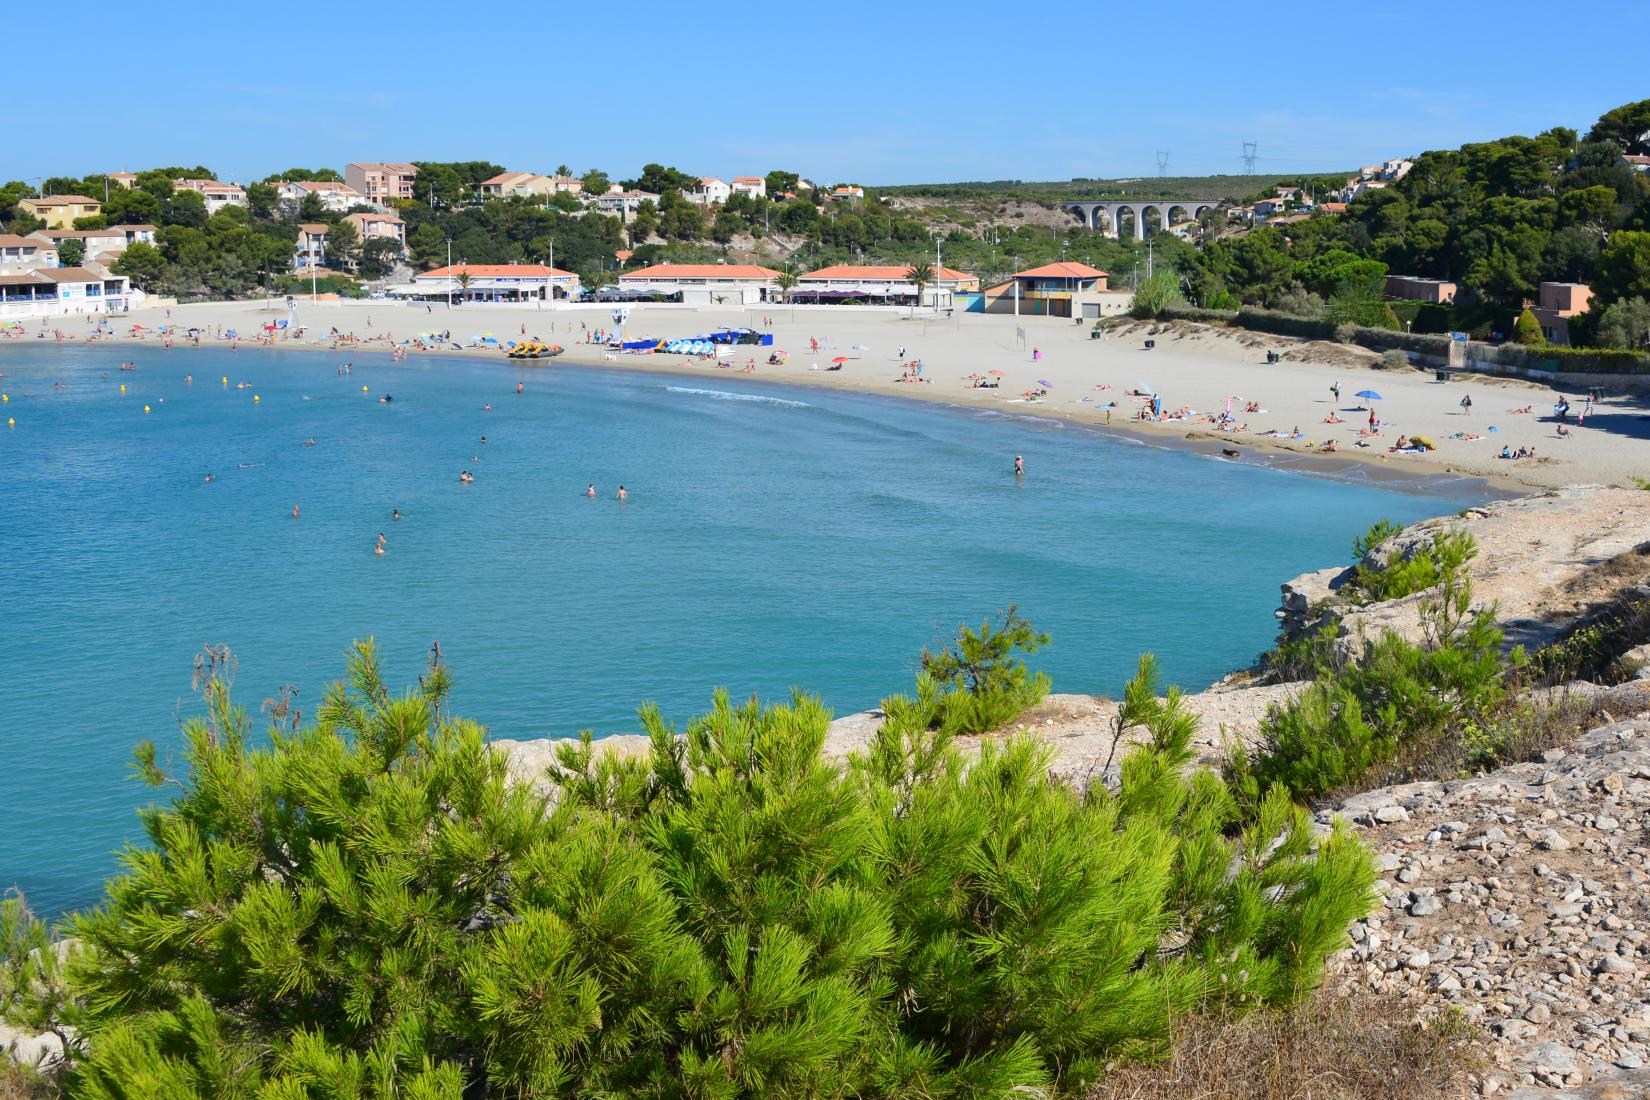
1162,163
1250,155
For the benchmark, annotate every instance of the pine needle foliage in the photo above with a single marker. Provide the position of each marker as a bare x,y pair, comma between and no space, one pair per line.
369,908
982,682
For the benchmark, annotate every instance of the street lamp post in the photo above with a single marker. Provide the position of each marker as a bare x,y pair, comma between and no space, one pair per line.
449,273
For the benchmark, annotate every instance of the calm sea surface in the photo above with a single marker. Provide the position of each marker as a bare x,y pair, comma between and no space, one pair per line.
773,537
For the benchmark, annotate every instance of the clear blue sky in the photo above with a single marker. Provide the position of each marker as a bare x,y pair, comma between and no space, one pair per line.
873,93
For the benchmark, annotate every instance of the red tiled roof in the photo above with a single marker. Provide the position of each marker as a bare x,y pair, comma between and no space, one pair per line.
892,272
494,271
1068,269
61,200
702,271
314,227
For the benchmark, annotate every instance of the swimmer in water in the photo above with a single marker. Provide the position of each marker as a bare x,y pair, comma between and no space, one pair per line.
484,439
310,442
518,387
1019,465
378,549
294,511
188,378
621,494
208,477
590,490
381,539
395,513
488,407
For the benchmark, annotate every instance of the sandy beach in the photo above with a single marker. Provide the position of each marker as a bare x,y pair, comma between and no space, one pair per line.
1095,382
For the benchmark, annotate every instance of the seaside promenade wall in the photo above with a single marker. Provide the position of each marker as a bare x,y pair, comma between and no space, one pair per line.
1574,366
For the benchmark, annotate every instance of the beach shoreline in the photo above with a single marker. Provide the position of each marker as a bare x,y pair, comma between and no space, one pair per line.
1198,363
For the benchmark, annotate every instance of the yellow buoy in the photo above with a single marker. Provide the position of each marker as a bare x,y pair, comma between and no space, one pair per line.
226,379
123,387
256,398
10,423
146,408
363,389
5,399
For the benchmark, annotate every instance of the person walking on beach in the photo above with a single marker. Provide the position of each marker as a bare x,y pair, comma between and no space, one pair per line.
1335,390
1466,404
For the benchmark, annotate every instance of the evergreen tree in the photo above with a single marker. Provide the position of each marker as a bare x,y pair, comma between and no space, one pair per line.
368,907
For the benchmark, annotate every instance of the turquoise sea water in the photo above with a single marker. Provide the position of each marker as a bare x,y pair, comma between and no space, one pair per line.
774,537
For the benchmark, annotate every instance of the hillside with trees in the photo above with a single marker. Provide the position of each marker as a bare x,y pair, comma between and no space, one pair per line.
1498,218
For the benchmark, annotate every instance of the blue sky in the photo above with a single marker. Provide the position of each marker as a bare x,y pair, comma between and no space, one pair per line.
872,93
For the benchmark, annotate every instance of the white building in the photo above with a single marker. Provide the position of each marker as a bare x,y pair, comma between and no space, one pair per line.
704,284
97,243
752,187
217,195
490,283
62,292
881,284
709,191
26,253
623,204
334,196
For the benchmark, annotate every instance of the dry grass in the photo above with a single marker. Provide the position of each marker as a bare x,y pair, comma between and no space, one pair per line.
18,1084
1355,1046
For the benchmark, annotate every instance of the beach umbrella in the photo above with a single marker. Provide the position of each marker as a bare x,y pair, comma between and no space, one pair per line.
995,373
1370,395
840,359
860,347
1045,383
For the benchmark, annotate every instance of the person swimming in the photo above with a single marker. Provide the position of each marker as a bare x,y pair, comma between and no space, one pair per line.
395,513
294,511
621,494
488,407
590,490
208,477
1019,465
484,439
378,548
518,387
310,442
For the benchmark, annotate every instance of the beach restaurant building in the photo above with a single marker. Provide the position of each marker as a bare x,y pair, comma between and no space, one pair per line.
1063,289
704,284
881,285
489,283
62,291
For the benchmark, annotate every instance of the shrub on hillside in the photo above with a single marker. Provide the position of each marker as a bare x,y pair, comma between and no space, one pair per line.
981,684
1423,567
370,908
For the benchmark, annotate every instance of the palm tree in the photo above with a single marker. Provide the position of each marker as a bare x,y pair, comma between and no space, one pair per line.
463,285
920,273
786,282
597,278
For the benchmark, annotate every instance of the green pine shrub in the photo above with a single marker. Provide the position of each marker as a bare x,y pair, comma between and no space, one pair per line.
1425,567
1356,718
369,908
982,683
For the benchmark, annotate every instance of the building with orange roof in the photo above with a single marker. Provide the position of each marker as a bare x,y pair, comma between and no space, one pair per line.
703,284
60,211
883,284
483,283
333,195
1065,288
752,187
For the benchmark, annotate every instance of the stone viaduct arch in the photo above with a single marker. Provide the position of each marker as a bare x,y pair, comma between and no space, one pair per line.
1103,215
